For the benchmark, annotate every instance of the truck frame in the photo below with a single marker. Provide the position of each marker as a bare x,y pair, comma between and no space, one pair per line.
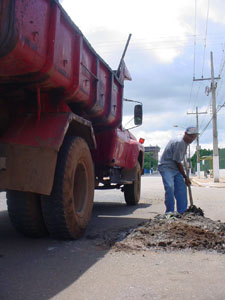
61,133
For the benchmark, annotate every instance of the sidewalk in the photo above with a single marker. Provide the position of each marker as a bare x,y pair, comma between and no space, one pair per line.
208,182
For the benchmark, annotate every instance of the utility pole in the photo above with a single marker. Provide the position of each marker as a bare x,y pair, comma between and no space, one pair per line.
215,135
197,139
214,118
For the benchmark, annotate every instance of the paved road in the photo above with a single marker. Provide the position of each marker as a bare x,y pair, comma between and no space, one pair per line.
86,269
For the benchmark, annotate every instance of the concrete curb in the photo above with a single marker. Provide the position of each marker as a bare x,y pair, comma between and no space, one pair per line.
208,183
195,182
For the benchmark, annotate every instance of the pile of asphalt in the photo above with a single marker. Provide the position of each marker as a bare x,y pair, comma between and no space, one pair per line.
187,231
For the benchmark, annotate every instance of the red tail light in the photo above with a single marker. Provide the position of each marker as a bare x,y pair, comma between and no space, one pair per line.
141,141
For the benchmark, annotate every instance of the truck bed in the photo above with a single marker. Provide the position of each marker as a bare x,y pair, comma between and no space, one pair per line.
41,48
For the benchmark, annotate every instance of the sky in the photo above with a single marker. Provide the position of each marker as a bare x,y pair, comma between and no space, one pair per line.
170,45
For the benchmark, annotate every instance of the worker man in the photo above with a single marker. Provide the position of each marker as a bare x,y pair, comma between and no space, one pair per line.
172,171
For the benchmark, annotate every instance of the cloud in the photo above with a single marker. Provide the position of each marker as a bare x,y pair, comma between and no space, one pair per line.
161,58
149,23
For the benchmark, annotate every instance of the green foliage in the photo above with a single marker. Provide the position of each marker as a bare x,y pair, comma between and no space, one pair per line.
149,161
222,158
202,152
208,164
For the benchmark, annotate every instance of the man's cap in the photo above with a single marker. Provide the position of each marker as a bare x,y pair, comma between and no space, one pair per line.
191,130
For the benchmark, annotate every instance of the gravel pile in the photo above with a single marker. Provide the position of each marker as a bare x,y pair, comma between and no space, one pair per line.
175,232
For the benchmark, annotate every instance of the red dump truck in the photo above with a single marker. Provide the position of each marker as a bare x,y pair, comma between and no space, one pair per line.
61,134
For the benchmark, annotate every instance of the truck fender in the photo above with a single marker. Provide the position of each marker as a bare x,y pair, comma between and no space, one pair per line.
29,149
130,174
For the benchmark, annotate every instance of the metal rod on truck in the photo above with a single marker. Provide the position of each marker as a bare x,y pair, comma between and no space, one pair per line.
124,53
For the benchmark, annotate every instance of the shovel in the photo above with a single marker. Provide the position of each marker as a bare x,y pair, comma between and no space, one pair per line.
192,208
189,186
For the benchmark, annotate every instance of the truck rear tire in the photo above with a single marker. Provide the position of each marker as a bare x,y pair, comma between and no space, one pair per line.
25,213
132,191
68,209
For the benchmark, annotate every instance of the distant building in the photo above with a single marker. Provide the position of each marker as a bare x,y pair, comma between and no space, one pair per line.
154,150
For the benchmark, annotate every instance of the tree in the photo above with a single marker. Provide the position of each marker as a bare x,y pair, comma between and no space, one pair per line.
149,161
203,152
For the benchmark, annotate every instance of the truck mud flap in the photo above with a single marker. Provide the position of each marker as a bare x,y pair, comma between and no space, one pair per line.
25,168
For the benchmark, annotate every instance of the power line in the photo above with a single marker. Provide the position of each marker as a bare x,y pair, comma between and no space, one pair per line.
195,38
203,119
222,64
214,119
192,83
206,29
205,127
166,38
198,147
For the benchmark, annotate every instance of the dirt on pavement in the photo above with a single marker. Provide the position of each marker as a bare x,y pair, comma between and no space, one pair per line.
187,231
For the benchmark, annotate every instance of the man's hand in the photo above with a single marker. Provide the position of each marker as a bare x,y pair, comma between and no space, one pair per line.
181,169
187,181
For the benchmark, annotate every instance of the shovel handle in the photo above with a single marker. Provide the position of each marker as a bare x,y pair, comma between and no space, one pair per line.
189,187
190,195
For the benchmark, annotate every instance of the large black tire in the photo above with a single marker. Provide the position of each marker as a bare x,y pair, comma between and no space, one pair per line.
25,213
68,209
132,191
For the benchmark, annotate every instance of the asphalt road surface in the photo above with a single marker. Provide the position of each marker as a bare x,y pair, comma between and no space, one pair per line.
89,269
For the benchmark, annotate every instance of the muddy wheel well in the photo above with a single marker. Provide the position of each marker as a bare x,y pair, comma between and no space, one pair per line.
141,159
82,130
